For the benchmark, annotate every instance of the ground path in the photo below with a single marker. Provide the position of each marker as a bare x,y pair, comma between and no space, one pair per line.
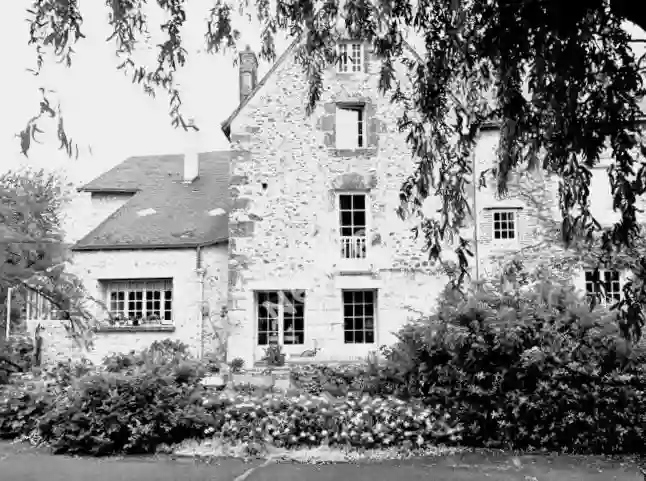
23,463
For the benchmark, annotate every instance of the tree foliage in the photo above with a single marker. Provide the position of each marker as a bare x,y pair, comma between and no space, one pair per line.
559,78
33,254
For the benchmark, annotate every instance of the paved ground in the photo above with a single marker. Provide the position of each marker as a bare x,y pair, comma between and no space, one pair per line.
22,463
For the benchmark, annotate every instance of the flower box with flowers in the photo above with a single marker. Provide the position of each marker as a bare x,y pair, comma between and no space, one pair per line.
120,322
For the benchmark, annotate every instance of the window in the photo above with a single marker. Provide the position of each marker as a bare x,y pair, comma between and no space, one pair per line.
140,302
246,80
37,307
605,286
350,57
504,225
359,317
281,317
353,225
350,127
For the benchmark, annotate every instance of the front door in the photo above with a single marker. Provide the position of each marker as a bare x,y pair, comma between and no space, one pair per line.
280,319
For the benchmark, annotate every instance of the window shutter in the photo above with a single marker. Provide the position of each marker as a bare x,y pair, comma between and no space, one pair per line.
346,128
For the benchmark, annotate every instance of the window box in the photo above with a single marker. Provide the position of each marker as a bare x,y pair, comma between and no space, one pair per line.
144,328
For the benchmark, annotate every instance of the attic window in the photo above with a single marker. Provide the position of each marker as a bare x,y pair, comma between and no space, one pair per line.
350,127
350,57
246,80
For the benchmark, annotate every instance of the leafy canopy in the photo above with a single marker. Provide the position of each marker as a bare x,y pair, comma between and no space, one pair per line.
33,253
564,80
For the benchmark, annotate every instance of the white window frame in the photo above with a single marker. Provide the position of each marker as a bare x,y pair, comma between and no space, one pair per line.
602,274
515,217
281,309
119,310
347,63
356,243
346,137
37,307
364,317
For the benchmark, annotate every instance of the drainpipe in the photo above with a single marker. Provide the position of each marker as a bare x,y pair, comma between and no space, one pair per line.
200,271
476,217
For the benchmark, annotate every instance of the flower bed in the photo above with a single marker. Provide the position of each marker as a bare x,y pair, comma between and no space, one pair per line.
313,421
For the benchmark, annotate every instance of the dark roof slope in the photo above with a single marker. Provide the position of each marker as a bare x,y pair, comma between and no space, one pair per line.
164,212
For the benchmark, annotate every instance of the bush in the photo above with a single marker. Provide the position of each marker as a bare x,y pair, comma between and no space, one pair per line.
17,356
110,413
534,368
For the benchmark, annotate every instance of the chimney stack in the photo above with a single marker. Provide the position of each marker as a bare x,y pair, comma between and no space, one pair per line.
248,72
191,162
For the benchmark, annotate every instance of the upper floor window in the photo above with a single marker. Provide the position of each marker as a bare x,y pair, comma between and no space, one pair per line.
350,57
353,225
350,126
246,80
603,284
505,225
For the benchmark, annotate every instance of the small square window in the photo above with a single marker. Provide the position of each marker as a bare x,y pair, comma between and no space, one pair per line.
504,225
350,57
605,285
350,127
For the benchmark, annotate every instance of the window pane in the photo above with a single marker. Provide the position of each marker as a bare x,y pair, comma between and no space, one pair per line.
359,202
359,218
345,202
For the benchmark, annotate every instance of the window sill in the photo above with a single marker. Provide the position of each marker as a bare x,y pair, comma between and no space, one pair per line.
158,328
367,151
354,266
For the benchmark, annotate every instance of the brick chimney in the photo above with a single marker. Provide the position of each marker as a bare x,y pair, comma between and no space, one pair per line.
191,162
248,72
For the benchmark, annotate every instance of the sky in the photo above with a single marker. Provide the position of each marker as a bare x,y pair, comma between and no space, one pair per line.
109,117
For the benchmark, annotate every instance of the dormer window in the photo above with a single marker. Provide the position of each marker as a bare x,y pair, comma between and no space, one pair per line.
350,57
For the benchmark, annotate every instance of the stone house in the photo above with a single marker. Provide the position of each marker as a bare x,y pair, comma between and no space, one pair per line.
294,229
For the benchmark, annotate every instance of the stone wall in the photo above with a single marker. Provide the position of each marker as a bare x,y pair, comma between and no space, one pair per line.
284,224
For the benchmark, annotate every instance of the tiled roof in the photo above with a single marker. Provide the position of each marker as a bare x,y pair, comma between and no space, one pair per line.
164,212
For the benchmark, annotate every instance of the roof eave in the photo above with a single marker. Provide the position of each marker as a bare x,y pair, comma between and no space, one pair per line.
117,247
107,190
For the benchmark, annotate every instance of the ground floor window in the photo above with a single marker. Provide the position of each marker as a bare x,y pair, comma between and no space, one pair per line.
139,302
359,316
281,317
605,285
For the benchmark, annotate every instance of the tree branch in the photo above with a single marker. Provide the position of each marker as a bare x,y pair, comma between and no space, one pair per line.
630,10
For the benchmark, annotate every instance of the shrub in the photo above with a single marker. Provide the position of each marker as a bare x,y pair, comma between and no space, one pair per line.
534,368
17,356
237,365
109,413
23,403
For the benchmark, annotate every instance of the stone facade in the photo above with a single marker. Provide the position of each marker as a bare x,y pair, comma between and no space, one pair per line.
284,184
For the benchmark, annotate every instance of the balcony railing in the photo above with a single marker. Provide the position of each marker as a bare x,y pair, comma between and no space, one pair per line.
353,247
